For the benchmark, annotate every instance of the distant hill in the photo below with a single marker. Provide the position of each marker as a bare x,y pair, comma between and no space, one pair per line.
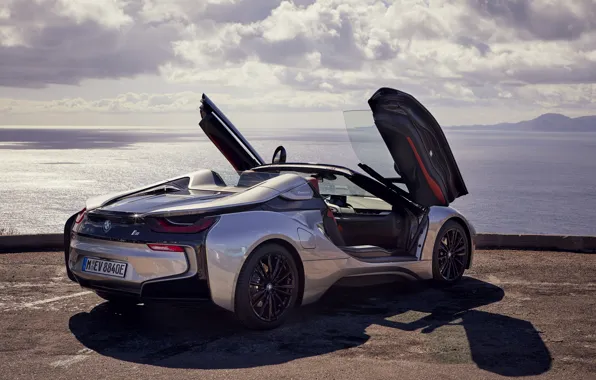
549,122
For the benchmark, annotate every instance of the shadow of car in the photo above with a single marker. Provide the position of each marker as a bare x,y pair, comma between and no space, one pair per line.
204,336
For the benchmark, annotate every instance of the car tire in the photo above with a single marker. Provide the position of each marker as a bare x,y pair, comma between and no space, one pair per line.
450,254
67,231
270,279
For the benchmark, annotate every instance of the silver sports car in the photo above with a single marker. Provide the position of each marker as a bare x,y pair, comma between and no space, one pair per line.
286,232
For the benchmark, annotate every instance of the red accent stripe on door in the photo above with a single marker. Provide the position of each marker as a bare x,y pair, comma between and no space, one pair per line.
224,152
431,182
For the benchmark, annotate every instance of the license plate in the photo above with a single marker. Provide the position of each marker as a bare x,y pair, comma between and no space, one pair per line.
109,268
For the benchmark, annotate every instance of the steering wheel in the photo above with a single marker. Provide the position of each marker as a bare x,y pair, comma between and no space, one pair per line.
338,204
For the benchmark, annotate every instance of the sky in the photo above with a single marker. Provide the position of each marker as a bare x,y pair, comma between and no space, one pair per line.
294,63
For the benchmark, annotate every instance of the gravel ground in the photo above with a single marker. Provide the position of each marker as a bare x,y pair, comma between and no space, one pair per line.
516,314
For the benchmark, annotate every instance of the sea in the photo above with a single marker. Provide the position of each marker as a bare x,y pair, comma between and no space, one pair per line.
518,181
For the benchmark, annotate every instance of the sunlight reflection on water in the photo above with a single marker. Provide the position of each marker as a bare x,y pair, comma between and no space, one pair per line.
519,182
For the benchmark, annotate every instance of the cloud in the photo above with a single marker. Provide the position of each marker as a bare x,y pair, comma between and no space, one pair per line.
123,103
541,19
244,11
325,54
62,42
186,101
445,53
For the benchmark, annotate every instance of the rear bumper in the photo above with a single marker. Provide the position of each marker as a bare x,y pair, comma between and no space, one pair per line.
149,274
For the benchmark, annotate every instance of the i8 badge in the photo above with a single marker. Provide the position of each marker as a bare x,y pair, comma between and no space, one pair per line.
107,225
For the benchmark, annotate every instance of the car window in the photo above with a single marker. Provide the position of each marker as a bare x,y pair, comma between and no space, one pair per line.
343,192
339,189
341,186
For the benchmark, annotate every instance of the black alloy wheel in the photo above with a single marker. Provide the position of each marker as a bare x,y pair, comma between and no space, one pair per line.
271,286
451,253
267,287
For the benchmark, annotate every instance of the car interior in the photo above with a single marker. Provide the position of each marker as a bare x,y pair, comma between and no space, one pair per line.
363,226
358,223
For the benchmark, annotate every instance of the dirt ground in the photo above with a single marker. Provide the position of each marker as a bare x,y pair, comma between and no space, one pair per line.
516,314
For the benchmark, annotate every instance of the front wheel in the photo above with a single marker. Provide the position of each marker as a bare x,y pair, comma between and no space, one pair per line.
451,253
267,288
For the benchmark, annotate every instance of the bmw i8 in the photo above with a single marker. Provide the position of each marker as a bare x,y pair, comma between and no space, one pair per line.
285,232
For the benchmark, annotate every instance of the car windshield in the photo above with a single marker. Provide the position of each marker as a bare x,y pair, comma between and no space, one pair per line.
332,184
340,191
341,186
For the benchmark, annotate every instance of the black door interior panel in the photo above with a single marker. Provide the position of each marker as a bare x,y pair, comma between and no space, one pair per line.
419,148
227,144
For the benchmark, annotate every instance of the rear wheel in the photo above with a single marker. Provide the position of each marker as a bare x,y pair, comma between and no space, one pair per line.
267,288
451,253
67,229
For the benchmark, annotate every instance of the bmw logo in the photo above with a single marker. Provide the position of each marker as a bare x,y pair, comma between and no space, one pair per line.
107,225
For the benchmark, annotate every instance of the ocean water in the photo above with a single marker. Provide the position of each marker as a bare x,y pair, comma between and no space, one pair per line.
519,182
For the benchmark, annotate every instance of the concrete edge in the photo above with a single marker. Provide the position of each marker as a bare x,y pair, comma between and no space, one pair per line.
568,243
31,243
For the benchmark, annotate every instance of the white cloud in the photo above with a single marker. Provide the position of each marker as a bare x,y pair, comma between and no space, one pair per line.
328,54
179,102
123,103
572,96
109,13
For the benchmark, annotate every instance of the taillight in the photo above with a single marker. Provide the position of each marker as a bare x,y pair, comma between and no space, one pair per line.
166,247
166,225
80,216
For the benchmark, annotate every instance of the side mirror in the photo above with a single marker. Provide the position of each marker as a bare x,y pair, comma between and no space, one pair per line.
279,156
